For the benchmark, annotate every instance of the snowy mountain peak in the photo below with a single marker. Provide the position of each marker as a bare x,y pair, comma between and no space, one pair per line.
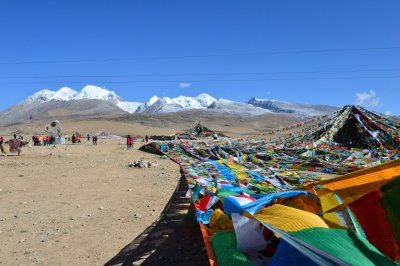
166,104
63,94
205,99
40,96
94,92
187,102
152,100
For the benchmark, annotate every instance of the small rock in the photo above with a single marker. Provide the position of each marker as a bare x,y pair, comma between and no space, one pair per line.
20,175
101,208
78,206
129,189
65,246
152,165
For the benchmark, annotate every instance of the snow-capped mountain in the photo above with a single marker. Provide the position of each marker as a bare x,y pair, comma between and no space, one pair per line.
93,101
224,105
154,105
94,92
63,94
144,106
67,94
162,105
166,104
292,108
89,92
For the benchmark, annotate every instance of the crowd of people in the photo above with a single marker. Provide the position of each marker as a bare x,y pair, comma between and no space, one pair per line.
45,140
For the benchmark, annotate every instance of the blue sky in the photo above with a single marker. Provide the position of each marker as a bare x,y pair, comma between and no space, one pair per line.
311,51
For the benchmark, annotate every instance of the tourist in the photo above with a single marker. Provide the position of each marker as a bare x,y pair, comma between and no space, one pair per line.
94,140
147,138
40,139
1,144
129,142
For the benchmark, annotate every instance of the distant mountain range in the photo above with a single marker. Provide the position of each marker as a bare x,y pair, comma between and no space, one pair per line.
93,101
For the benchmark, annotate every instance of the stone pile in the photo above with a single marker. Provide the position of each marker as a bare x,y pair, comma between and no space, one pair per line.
142,164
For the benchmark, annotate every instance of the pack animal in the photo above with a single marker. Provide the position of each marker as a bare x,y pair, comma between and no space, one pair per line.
15,146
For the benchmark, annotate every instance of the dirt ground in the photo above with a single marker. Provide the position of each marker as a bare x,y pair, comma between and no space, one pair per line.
78,204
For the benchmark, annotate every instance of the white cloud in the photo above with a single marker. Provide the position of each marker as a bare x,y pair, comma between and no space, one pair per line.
367,99
183,85
388,113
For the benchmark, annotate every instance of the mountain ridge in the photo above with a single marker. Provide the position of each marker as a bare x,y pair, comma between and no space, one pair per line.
94,101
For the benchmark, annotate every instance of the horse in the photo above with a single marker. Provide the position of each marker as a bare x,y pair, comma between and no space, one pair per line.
15,146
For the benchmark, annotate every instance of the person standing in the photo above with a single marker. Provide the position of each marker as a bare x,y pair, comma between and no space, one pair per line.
146,138
94,140
128,142
88,137
1,144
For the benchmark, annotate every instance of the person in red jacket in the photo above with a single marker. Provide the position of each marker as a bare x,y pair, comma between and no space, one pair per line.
129,142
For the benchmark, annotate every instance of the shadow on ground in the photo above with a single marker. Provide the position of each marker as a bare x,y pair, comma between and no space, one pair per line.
174,239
